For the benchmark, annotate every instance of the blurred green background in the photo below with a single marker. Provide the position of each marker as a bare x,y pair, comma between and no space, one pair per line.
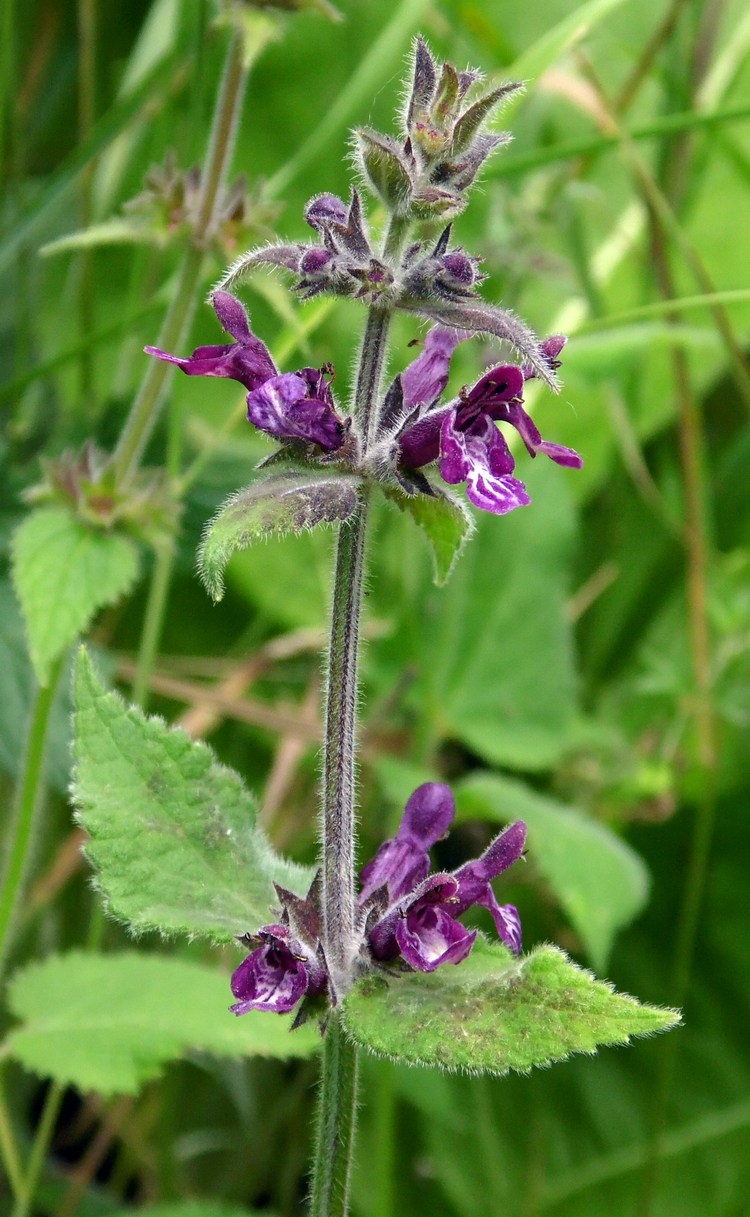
588,666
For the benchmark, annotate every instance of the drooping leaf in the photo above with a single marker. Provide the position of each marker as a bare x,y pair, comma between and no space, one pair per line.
600,881
173,833
63,571
109,1023
446,524
281,503
493,1013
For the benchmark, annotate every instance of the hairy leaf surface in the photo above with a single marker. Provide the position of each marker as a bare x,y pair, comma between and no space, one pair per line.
109,1023
272,506
173,833
63,571
493,1013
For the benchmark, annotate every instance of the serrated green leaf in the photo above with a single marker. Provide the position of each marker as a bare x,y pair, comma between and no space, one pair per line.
600,881
63,571
173,833
109,1023
446,523
493,1013
275,505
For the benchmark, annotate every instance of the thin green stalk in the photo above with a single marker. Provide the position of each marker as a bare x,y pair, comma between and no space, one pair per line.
45,1129
147,405
384,1104
337,1104
161,577
29,798
8,1147
86,115
8,92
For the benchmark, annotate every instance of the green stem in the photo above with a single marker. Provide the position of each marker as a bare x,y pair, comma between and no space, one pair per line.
45,1129
336,1123
8,1147
147,405
29,797
86,115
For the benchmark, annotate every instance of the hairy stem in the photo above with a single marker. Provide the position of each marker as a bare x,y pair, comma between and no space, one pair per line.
336,1123
338,838
29,798
148,402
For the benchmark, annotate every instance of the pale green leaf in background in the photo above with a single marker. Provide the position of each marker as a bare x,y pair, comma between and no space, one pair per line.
63,571
600,881
110,1023
173,833
493,1013
193,1208
492,652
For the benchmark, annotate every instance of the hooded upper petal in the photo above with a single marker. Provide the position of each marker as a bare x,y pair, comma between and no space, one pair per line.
403,861
426,377
246,360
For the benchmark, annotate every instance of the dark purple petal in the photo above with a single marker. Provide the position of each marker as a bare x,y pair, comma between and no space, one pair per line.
425,378
420,445
246,360
427,933
325,209
480,457
493,390
283,407
403,861
232,316
475,877
506,849
508,925
455,460
271,978
532,438
428,814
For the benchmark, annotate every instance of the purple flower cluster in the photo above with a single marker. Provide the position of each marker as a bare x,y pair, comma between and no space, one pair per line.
298,408
406,912
291,406
462,435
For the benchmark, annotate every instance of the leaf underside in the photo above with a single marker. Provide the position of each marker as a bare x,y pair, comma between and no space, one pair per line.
272,506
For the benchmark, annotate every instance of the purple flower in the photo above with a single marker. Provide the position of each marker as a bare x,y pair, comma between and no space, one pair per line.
291,406
277,974
417,914
403,861
462,436
247,359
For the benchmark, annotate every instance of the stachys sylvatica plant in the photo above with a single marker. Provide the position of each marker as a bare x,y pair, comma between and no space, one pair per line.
377,955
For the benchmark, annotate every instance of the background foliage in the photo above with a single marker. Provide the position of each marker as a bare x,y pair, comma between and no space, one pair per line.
586,667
